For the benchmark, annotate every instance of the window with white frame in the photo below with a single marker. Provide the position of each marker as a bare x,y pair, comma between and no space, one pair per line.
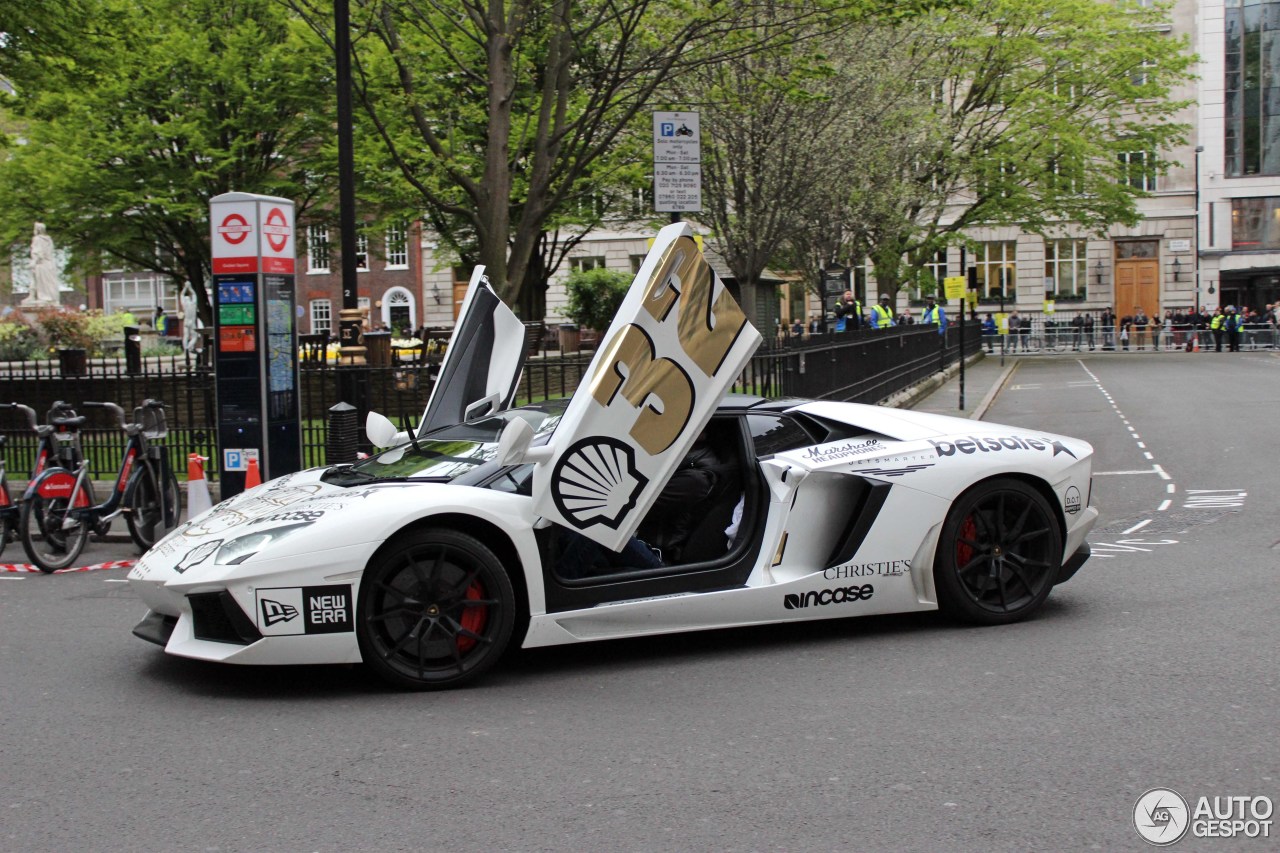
317,248
583,264
1065,269
937,269
321,316
996,264
362,252
1142,74
1139,170
397,246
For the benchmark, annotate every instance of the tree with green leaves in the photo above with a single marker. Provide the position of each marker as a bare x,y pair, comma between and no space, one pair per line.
504,115
136,112
1015,112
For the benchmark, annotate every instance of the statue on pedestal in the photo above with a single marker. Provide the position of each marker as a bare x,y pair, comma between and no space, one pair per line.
44,271
192,340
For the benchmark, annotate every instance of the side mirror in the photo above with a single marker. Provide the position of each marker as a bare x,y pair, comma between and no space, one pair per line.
380,431
514,442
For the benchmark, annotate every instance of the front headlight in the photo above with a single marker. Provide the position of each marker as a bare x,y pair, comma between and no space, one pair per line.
242,548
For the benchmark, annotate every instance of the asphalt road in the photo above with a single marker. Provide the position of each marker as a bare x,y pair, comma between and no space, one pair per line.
1155,666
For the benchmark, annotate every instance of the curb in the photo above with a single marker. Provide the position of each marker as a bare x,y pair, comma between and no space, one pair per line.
990,398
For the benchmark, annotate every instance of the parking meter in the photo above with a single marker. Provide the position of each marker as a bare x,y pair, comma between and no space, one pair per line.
255,337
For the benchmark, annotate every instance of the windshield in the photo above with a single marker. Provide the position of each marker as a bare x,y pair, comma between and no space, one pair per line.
452,451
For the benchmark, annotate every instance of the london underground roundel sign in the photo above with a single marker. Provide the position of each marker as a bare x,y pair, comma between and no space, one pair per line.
234,229
276,229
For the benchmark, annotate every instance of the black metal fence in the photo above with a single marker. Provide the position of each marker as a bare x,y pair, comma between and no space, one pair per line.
865,366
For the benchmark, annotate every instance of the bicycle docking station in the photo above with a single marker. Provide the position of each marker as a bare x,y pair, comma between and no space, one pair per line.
255,337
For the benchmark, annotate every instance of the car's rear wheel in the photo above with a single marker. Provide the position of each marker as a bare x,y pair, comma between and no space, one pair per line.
436,610
1000,551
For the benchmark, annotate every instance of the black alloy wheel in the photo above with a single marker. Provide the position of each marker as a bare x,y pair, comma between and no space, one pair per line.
436,610
999,553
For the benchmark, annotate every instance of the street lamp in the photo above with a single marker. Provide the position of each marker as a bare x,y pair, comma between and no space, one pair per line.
1195,260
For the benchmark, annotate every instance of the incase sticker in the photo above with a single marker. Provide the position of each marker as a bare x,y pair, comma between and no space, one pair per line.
304,610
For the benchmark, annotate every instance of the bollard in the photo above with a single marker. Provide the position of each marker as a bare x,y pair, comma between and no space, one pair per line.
132,350
342,441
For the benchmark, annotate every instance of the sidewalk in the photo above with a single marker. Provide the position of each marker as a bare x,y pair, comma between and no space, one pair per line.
940,395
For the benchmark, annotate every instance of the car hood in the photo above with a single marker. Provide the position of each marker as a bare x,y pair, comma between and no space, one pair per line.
286,506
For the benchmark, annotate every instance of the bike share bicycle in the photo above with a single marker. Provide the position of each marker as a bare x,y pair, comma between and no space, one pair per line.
60,503
57,444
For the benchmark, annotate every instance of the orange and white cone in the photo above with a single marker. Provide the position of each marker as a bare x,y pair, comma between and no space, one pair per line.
198,498
254,476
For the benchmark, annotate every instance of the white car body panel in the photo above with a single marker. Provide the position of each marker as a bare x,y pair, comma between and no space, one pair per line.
302,545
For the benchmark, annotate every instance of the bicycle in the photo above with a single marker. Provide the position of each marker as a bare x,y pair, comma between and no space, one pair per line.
146,492
58,444
10,512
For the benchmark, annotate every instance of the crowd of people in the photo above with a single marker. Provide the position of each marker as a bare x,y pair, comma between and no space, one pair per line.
1225,327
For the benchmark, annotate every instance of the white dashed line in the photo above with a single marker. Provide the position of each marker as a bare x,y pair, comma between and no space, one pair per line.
1142,445
1138,526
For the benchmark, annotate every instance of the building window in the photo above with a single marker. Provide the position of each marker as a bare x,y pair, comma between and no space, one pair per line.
397,247
997,269
1255,223
1065,269
584,264
362,252
321,316
139,293
1251,97
636,262
1142,74
1139,171
317,248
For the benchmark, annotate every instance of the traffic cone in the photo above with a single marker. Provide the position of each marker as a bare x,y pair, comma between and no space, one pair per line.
253,477
198,498
1197,344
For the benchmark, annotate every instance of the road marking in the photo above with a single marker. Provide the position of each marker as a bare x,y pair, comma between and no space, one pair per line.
1171,488
1164,504
1137,527
1126,473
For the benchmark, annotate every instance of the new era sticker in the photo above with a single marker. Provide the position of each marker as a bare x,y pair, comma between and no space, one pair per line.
285,611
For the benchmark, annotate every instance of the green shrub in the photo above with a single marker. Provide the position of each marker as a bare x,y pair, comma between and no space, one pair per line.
18,341
65,328
595,296
103,326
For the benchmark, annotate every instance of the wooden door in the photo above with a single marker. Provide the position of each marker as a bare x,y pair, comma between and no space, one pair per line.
1137,284
459,294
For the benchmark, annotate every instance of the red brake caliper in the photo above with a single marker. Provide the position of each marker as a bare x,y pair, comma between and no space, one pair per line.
473,618
964,551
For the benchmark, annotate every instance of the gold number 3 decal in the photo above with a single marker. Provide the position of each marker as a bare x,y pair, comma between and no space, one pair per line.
633,370
706,329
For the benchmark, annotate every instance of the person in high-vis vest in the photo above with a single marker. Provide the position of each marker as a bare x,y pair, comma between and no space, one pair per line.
933,313
1216,325
1233,323
882,314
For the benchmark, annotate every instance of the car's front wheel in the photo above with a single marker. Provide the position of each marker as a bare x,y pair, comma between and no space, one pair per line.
1000,551
436,610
